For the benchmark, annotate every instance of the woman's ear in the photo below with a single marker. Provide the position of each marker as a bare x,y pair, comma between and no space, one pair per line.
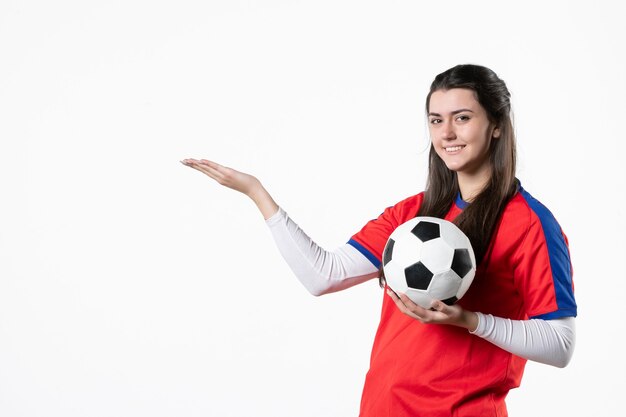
496,133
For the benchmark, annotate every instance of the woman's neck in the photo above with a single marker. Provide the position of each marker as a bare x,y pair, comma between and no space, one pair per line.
470,185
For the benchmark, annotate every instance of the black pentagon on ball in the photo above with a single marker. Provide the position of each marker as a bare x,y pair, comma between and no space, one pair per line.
418,276
388,252
426,231
461,262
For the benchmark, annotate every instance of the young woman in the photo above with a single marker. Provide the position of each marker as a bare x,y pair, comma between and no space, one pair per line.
458,360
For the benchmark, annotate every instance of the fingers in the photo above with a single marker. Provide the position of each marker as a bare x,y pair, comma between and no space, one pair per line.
225,176
212,169
439,312
406,306
416,311
211,164
202,163
440,306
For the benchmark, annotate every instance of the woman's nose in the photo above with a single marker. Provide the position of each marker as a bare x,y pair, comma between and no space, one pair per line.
447,131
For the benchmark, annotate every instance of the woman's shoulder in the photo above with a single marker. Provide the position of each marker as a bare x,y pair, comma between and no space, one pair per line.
414,200
526,211
401,211
407,207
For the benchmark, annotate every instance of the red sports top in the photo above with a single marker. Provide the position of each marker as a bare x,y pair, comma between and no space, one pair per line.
440,370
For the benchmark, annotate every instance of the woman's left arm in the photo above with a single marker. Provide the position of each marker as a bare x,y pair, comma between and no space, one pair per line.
546,341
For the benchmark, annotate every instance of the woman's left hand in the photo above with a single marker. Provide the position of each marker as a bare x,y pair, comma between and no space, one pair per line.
440,313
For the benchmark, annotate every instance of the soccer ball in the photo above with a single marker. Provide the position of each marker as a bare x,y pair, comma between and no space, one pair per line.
429,259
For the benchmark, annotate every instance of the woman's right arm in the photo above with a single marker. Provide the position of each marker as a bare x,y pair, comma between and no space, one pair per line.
319,270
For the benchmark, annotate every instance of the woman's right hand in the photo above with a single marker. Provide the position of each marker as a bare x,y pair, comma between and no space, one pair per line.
236,180
225,176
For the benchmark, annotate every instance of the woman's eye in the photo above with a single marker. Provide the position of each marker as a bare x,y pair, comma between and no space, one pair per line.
462,118
435,121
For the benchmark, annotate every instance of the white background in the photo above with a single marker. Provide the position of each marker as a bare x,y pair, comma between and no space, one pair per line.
131,285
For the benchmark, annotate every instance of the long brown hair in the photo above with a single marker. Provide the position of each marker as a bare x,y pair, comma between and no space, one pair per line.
480,218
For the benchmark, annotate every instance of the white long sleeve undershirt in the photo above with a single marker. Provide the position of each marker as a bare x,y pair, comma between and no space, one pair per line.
546,341
322,272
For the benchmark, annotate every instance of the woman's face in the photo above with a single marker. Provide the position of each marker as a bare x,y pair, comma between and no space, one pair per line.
460,131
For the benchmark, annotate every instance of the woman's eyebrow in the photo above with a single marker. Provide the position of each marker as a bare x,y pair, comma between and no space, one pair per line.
453,112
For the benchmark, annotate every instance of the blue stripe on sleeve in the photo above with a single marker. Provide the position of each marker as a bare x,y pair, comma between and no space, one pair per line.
560,263
374,260
563,312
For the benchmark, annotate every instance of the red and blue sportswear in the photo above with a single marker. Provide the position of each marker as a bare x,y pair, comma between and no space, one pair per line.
431,370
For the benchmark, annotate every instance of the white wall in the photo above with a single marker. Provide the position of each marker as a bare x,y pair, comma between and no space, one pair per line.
131,285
